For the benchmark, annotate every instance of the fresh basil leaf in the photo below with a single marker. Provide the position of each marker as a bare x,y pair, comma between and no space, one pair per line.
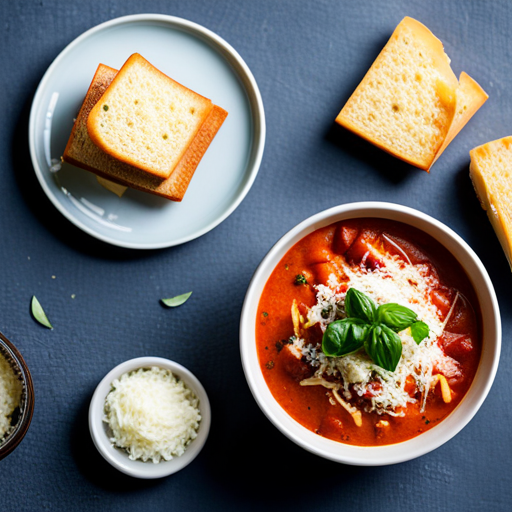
395,316
39,314
344,336
359,305
384,346
419,331
176,301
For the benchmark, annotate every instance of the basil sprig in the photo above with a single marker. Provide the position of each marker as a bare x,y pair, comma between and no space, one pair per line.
374,328
384,346
395,316
345,336
359,305
419,331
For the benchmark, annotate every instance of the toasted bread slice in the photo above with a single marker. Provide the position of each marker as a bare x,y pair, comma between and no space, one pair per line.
470,97
407,102
491,174
146,119
82,152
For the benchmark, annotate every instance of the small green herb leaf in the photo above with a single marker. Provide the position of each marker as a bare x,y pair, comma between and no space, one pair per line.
395,316
176,301
300,279
384,346
419,331
359,305
39,314
344,336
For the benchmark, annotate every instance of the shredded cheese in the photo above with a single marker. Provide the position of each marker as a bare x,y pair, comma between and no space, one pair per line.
152,414
395,281
10,395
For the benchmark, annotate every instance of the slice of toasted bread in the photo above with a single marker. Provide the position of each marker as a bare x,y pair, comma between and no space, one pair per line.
470,97
407,102
491,174
82,152
146,119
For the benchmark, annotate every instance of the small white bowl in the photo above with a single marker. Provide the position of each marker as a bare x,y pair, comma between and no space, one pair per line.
117,457
433,438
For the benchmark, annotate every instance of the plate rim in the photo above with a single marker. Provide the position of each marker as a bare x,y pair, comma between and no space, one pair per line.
249,85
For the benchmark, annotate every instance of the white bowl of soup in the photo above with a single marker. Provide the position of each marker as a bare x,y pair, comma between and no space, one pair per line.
370,334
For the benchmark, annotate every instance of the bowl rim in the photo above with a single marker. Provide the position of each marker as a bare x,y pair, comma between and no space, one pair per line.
119,459
456,420
23,424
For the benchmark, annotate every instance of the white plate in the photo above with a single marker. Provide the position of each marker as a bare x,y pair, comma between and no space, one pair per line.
195,57
119,458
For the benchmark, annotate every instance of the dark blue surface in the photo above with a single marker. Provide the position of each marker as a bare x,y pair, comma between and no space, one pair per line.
307,58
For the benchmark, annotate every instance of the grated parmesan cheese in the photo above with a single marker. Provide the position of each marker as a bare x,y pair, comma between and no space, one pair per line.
10,395
399,282
152,414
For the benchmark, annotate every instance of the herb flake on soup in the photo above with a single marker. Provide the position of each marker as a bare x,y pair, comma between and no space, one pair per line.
379,339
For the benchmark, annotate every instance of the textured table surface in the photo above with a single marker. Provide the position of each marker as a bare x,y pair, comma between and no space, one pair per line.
307,58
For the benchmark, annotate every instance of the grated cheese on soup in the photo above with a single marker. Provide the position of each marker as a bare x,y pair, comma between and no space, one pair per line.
152,414
10,395
399,282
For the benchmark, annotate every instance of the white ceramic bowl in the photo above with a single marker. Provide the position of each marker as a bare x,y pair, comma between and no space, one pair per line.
118,458
450,426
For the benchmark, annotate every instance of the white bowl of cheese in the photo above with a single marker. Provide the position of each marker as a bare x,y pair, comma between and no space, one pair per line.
149,417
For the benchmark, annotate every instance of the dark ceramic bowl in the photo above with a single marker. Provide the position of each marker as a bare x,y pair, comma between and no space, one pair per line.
23,414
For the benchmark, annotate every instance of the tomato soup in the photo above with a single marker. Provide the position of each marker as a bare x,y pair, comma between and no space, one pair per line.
368,332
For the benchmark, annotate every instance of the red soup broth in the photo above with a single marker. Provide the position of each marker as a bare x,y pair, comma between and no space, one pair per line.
360,243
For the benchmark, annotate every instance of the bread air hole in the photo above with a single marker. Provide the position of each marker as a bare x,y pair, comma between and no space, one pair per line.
165,136
192,110
136,102
395,108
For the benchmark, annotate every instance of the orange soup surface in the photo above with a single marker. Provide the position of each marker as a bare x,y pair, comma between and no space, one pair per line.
350,398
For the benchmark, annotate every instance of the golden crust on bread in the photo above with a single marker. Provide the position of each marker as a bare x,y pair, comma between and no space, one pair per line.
82,152
491,174
146,119
470,97
407,102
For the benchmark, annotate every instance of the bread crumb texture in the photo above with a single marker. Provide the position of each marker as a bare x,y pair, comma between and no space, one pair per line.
407,101
82,152
491,174
146,119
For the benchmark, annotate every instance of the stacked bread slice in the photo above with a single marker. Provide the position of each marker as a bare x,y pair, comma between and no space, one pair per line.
491,174
410,102
139,128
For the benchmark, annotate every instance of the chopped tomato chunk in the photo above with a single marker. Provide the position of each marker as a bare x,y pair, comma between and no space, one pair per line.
410,385
322,272
331,427
372,389
363,251
442,298
293,364
457,346
343,238
461,317
398,246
